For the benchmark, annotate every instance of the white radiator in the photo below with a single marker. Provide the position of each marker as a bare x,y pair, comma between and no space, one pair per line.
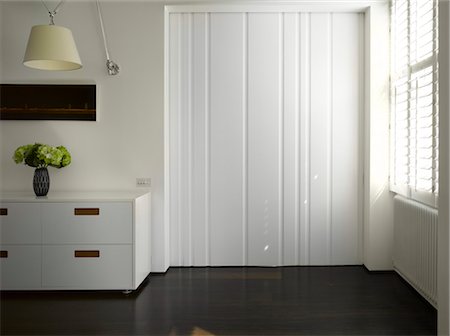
415,245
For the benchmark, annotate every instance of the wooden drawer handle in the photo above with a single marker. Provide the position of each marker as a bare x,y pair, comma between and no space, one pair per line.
3,254
86,211
3,212
86,254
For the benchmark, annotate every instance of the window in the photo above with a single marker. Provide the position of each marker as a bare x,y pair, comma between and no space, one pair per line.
414,99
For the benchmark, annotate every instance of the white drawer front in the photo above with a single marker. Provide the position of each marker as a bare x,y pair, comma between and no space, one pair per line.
20,223
86,223
20,267
96,267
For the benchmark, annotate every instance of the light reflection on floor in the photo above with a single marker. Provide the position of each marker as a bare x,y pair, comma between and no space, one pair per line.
197,331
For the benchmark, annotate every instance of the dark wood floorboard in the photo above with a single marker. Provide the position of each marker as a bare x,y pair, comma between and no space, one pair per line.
231,301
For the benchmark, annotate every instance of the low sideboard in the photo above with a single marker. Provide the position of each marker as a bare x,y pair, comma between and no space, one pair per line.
74,241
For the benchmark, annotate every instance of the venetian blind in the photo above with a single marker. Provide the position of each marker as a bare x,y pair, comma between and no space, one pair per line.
414,90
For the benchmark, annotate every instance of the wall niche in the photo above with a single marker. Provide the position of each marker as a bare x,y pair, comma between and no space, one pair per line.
47,102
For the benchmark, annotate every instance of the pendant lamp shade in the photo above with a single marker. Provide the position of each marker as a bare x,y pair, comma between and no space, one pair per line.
51,47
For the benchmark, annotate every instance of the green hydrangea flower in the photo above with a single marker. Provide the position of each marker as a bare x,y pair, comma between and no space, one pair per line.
21,153
66,157
31,158
49,155
39,155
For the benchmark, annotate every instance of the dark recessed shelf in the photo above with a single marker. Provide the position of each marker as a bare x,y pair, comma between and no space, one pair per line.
47,102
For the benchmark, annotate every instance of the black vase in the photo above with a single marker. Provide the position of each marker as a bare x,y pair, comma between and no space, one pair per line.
41,182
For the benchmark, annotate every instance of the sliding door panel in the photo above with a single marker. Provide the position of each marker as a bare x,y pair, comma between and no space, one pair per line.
226,137
264,137
175,127
290,132
199,238
320,159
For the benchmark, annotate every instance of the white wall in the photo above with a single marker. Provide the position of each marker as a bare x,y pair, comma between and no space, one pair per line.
444,166
378,200
127,140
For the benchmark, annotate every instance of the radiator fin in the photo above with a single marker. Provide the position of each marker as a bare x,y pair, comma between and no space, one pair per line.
415,245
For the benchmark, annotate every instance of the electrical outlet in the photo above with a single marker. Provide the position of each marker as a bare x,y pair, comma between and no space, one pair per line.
143,182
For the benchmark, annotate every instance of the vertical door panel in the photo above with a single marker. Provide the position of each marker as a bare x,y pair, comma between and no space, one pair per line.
226,138
199,233
185,139
186,132
181,121
304,137
291,141
320,139
174,105
264,117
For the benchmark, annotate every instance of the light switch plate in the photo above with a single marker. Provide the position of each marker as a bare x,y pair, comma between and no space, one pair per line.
143,182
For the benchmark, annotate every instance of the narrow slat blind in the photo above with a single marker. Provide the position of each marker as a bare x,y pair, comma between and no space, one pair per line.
414,97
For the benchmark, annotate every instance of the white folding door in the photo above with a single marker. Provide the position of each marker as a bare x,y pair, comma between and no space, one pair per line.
264,117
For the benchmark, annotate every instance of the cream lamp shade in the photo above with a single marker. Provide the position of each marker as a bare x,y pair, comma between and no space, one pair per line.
51,47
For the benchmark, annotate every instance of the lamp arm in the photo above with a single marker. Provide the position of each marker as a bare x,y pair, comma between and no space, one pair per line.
52,13
111,66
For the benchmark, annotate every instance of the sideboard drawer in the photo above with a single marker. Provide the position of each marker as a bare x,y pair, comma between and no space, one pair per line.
20,223
87,266
86,223
20,266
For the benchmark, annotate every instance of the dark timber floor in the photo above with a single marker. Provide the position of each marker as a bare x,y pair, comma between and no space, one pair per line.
231,301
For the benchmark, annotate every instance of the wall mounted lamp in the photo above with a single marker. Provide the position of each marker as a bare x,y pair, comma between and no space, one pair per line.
52,47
